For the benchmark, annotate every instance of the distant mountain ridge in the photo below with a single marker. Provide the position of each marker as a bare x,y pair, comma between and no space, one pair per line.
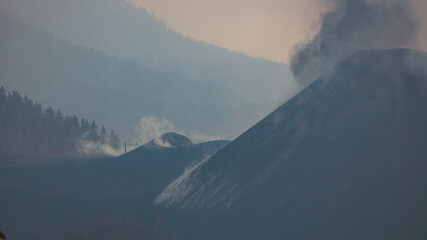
114,91
344,159
149,38
119,29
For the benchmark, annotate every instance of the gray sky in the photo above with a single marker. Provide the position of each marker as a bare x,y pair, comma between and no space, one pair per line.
264,28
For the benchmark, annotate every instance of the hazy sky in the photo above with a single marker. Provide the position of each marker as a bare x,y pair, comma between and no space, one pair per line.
265,28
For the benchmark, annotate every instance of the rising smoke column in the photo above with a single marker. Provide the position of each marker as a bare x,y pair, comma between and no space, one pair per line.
350,26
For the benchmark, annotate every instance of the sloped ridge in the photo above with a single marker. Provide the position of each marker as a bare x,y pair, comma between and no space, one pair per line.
102,184
172,139
379,80
346,153
135,56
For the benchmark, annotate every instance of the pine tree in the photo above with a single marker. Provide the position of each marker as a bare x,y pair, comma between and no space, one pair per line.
103,131
27,129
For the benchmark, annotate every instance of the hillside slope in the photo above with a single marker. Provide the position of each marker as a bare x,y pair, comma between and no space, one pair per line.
39,198
28,129
344,159
114,91
121,30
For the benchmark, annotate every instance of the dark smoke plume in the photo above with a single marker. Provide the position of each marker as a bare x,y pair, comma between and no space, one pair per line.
351,26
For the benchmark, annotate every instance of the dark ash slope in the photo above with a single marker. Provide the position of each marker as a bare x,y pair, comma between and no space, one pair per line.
344,159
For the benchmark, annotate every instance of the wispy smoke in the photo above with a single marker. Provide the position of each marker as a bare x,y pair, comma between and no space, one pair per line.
151,127
162,143
350,26
180,187
96,149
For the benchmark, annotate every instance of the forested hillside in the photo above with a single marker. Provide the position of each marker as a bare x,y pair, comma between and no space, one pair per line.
118,92
28,129
214,92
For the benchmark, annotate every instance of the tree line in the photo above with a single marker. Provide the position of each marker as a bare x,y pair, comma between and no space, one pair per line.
29,130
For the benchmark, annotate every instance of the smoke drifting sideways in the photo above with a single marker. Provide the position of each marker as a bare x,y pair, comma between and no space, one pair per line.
354,25
151,127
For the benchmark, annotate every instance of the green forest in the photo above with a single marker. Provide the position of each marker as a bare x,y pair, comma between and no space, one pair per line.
27,129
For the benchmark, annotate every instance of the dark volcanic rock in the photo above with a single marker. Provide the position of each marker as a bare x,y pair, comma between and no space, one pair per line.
344,159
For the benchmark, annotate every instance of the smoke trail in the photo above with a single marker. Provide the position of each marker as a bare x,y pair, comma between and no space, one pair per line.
98,149
350,26
151,127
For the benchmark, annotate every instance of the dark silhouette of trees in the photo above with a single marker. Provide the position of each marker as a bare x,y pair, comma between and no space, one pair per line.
27,129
